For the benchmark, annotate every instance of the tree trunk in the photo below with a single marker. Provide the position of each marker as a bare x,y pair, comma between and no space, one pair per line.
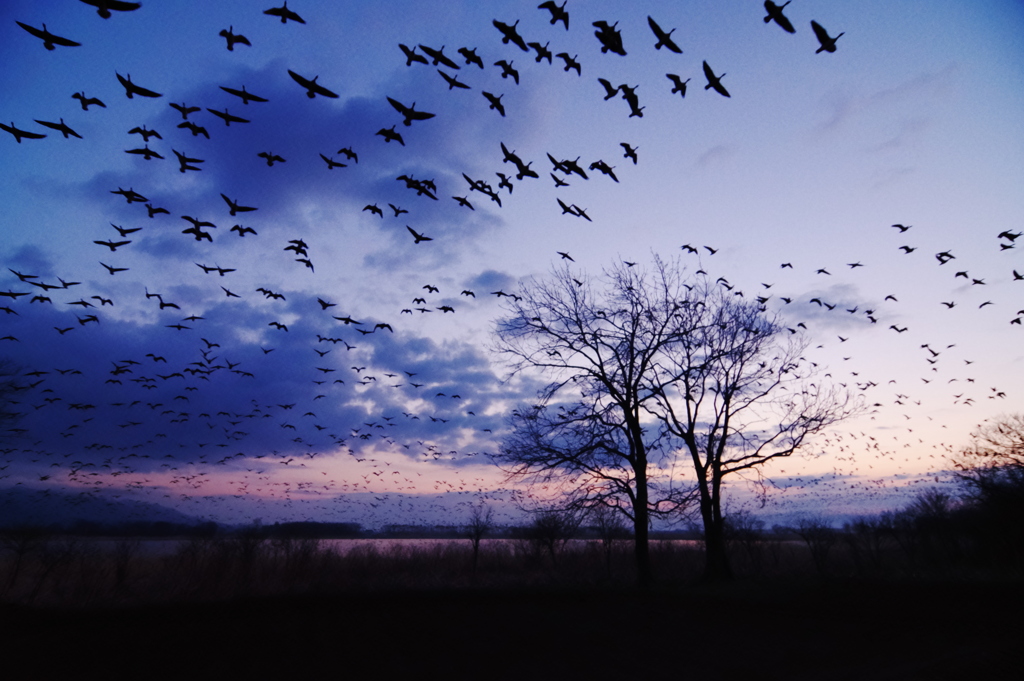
641,530
642,549
716,560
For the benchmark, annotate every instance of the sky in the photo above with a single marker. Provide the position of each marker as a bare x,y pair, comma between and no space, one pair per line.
184,392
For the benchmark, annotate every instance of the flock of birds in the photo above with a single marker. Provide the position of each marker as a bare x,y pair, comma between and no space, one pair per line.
168,418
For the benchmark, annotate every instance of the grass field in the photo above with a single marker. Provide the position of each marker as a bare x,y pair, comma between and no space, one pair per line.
229,608
744,630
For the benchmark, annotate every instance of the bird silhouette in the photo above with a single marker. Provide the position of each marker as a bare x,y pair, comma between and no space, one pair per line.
558,12
495,102
59,127
390,135
312,87
471,56
50,41
244,95
131,89
20,134
439,57
411,55
828,44
510,34
678,84
775,14
714,81
86,102
664,39
570,63
233,38
417,236
284,14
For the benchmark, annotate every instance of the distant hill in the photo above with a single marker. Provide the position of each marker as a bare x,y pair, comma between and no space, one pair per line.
21,506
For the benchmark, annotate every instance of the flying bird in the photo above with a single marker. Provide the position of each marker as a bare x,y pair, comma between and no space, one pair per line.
570,63
130,195
507,70
104,7
185,110
113,270
19,134
49,40
453,81
270,157
112,245
409,112
312,87
678,84
196,130
390,135
714,81
664,39
411,56
185,162
610,37
145,132
245,96
235,208
227,117
630,152
86,102
828,44
495,102
417,236
60,127
131,89
610,91
331,163
558,12
233,38
439,57
775,14
471,56
542,51
510,34
145,152
284,13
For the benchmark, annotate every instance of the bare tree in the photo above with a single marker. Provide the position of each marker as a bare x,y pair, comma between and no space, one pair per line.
481,522
552,528
610,526
819,535
991,469
654,373
995,454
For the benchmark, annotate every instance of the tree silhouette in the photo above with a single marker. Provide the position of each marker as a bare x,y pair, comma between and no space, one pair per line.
991,469
653,373
481,522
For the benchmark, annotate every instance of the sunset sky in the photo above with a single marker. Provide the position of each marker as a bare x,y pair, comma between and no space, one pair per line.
916,119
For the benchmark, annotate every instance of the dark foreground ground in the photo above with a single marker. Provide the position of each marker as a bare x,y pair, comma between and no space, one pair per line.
744,630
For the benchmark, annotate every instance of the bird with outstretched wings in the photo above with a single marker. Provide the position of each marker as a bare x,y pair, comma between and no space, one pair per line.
284,13
49,40
312,87
131,89
409,112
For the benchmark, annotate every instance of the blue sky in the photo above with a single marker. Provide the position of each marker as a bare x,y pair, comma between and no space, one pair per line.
915,119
